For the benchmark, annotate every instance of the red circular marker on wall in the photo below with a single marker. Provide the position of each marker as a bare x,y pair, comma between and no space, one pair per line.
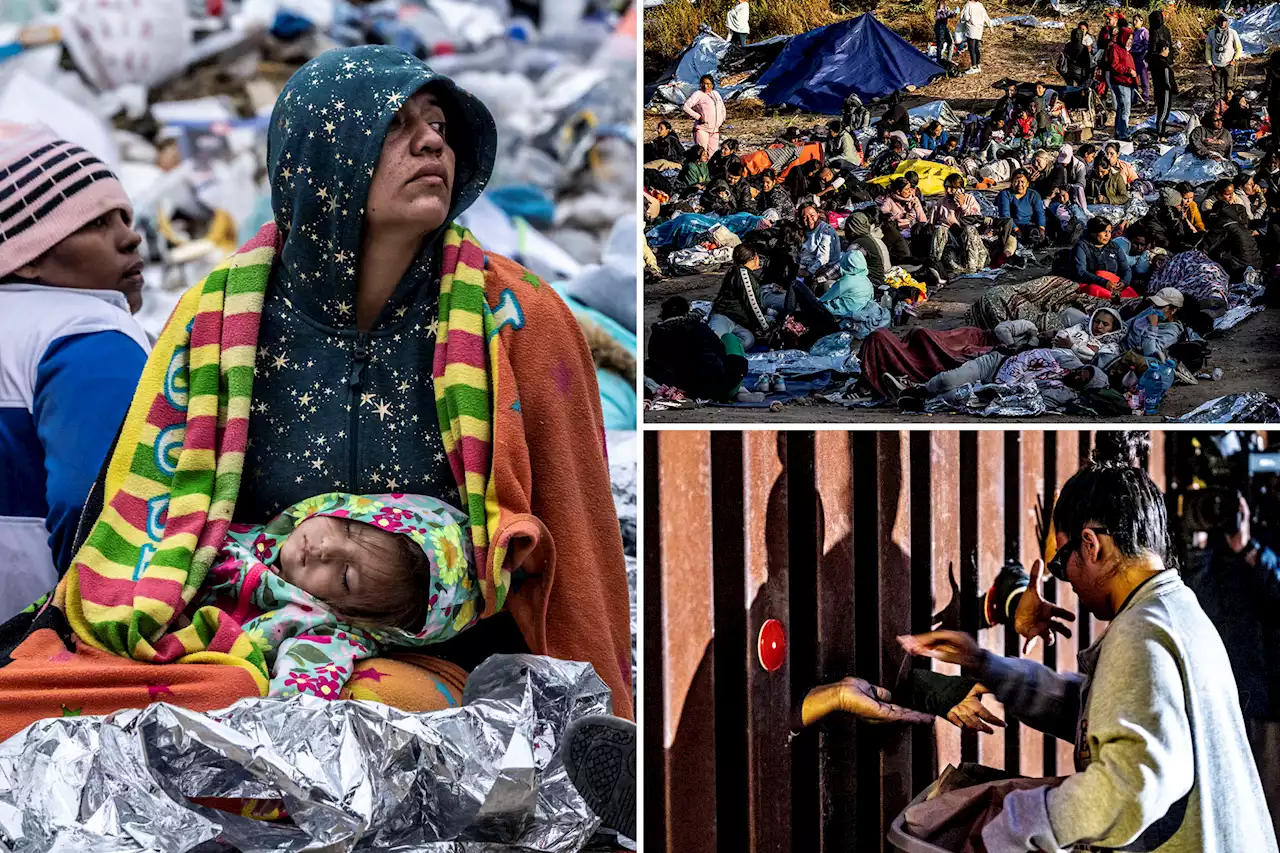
773,645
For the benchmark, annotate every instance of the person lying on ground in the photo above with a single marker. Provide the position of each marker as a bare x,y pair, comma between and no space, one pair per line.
738,309
1024,207
1106,185
842,149
851,299
1210,140
727,152
1094,253
666,146
694,174
774,196
70,351
1165,762
1153,330
1041,300
1101,333
1058,373
821,244
685,352
861,231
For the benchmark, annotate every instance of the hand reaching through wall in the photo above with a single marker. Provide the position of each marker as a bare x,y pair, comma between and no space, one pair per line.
859,697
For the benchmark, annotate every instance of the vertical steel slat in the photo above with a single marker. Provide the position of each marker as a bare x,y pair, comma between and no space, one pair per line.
688,581
768,693
1032,741
990,512
894,528
837,650
945,510
1066,463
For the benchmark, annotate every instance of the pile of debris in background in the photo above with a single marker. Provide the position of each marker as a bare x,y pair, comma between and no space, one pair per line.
176,96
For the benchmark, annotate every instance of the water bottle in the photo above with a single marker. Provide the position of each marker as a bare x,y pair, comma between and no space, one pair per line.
1155,382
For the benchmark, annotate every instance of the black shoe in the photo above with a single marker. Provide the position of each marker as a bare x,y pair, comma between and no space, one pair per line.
1016,262
599,753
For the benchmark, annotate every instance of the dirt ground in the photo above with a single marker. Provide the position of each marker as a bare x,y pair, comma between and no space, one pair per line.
1249,354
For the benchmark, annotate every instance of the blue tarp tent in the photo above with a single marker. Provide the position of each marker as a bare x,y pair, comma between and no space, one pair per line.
817,70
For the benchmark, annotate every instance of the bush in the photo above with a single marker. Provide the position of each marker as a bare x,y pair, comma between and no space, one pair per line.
669,28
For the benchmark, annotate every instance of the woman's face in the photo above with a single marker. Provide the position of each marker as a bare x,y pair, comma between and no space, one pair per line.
706,85
1020,184
102,255
412,186
1104,237
1103,323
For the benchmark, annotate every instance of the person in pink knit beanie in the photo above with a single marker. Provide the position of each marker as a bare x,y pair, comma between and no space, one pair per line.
65,220
71,351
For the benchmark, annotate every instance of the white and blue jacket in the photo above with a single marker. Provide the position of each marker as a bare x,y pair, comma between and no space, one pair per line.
69,366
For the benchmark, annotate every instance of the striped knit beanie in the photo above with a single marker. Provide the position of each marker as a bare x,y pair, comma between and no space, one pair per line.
49,189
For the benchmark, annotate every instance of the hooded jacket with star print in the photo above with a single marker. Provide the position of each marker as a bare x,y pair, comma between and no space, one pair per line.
336,410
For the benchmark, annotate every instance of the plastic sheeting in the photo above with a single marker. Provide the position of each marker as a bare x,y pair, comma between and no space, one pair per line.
940,110
702,56
1028,21
684,230
837,356
1252,407
696,259
354,776
1259,30
1116,214
817,70
931,175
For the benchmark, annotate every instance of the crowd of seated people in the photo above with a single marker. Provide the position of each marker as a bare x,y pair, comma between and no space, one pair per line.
835,229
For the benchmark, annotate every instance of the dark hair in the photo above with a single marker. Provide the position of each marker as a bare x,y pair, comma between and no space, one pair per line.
808,205
955,179
791,133
674,306
742,254
731,144
1097,225
1087,149
707,77
693,154
895,142
898,184
835,126
1016,173
1220,186
666,124
1184,187
1121,498
407,569
1113,146
913,177
768,173
734,167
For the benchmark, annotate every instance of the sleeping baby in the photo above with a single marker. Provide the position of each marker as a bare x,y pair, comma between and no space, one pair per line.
336,578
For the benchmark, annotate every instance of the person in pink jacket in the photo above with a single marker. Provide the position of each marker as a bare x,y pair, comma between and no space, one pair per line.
706,108
902,206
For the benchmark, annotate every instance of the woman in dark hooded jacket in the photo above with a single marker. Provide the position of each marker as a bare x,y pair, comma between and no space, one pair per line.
1160,63
896,118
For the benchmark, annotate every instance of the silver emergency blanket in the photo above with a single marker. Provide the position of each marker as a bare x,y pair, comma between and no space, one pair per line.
1010,401
1259,30
1240,299
696,259
940,110
1177,165
354,776
1132,211
1028,21
1252,407
797,362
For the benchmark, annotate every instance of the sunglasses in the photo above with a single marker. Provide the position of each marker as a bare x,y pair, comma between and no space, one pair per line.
1058,565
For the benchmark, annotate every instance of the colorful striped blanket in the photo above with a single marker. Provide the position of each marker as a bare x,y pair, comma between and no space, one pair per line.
173,478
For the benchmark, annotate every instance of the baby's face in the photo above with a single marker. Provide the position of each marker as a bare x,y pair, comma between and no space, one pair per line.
334,559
